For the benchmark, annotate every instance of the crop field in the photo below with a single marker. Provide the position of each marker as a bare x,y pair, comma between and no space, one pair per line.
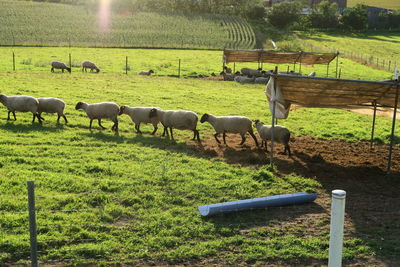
24,23
390,4
370,46
111,198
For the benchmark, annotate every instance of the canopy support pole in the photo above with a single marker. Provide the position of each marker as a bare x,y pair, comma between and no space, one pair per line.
393,127
234,67
271,155
337,64
373,124
327,70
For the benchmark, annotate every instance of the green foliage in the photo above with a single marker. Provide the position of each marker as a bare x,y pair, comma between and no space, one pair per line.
389,19
355,18
24,23
284,14
324,15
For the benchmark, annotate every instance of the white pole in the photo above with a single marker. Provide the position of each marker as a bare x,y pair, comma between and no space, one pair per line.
336,233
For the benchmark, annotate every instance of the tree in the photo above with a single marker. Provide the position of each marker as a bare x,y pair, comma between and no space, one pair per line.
284,14
324,15
355,18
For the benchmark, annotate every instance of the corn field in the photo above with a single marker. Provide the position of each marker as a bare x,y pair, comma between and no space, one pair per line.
25,24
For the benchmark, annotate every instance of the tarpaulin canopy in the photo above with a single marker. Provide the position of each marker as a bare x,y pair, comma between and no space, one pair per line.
318,91
278,57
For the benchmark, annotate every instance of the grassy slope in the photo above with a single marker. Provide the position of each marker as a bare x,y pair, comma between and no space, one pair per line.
391,4
135,195
24,23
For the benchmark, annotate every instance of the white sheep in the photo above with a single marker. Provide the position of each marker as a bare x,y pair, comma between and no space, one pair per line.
179,119
139,115
244,79
51,105
230,124
89,65
59,65
147,73
251,72
103,110
21,103
281,134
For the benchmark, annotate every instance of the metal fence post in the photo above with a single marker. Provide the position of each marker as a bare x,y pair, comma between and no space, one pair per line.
336,232
70,63
32,223
126,65
179,68
13,61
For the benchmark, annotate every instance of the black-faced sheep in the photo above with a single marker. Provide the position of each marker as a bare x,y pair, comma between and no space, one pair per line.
21,103
89,65
281,134
140,115
51,105
103,110
59,65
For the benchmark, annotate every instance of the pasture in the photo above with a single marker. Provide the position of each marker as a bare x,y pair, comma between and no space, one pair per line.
128,198
390,4
23,23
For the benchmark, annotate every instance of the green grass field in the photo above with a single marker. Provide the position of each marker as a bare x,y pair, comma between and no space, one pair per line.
391,4
104,198
25,23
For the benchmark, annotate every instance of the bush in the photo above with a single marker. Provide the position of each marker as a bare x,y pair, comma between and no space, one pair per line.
324,15
284,14
390,19
355,18
256,13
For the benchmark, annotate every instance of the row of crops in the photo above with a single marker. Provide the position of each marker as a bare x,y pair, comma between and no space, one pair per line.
25,23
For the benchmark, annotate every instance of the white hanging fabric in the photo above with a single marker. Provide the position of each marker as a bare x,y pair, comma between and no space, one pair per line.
282,107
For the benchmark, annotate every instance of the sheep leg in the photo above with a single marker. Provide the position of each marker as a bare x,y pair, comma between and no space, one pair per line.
99,120
198,135
287,147
243,139
90,125
165,131
65,118
8,117
137,126
62,70
40,115
216,138
172,136
52,69
254,137
115,126
224,136
154,131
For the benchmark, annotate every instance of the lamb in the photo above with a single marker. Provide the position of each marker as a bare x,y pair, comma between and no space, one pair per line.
51,105
244,79
147,73
251,72
230,124
179,119
139,115
21,103
281,134
59,65
103,110
89,65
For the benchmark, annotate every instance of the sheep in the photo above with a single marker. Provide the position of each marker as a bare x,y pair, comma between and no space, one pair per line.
179,119
103,110
281,134
227,69
251,72
59,65
263,80
147,73
21,103
139,115
244,79
230,124
51,105
89,65
228,76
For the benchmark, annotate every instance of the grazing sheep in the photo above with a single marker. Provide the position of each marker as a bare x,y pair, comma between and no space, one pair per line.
230,124
244,79
281,134
251,72
139,115
103,110
179,119
21,103
227,70
59,65
89,65
147,73
51,105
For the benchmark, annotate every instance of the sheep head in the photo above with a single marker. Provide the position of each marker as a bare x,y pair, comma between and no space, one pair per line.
69,70
153,113
204,118
258,122
121,110
79,105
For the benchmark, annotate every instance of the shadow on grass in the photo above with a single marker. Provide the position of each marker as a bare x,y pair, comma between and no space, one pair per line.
18,127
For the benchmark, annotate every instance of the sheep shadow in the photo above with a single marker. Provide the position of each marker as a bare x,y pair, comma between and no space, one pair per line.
12,126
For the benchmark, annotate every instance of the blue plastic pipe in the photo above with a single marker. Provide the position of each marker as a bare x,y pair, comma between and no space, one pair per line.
257,203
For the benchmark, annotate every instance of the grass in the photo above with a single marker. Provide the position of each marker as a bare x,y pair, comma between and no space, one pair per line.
131,198
24,23
390,4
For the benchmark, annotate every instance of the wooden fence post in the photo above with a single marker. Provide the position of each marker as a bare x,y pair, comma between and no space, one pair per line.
179,68
13,61
70,62
126,65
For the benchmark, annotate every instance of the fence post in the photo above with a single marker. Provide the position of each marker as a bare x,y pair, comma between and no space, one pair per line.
126,65
32,223
390,62
13,61
70,62
336,232
179,68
